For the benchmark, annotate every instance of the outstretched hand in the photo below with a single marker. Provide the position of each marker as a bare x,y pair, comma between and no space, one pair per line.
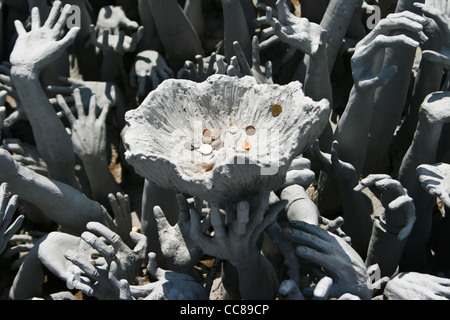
36,49
435,179
399,214
8,205
367,76
338,259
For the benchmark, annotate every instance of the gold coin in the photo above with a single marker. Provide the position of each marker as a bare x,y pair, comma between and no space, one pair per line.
277,109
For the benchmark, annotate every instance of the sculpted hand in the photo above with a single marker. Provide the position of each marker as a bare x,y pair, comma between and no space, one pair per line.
235,241
331,164
149,65
179,250
417,286
26,155
114,19
442,20
255,70
35,50
106,93
120,44
366,76
88,131
169,285
123,262
338,259
120,205
298,33
399,214
8,205
196,71
436,180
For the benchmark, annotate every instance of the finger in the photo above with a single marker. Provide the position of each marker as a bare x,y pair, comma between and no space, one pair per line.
124,290
66,12
161,221
141,242
105,250
69,39
438,16
269,218
217,223
314,256
13,146
152,265
200,64
9,213
120,43
104,114
311,229
183,205
241,58
263,206
92,107
289,289
379,80
300,237
129,24
90,270
20,29
269,42
35,18
212,61
54,12
142,82
436,57
243,211
221,66
60,90
323,288
79,104
370,181
66,110
196,230
13,228
255,53
391,184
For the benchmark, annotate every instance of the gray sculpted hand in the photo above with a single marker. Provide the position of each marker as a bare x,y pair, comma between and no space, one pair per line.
298,33
179,250
114,19
196,71
443,21
338,259
169,285
254,69
36,49
88,131
417,286
106,93
26,154
436,180
381,37
400,214
235,241
8,205
149,65
120,44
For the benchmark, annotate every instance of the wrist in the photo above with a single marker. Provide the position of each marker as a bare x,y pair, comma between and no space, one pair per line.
25,72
